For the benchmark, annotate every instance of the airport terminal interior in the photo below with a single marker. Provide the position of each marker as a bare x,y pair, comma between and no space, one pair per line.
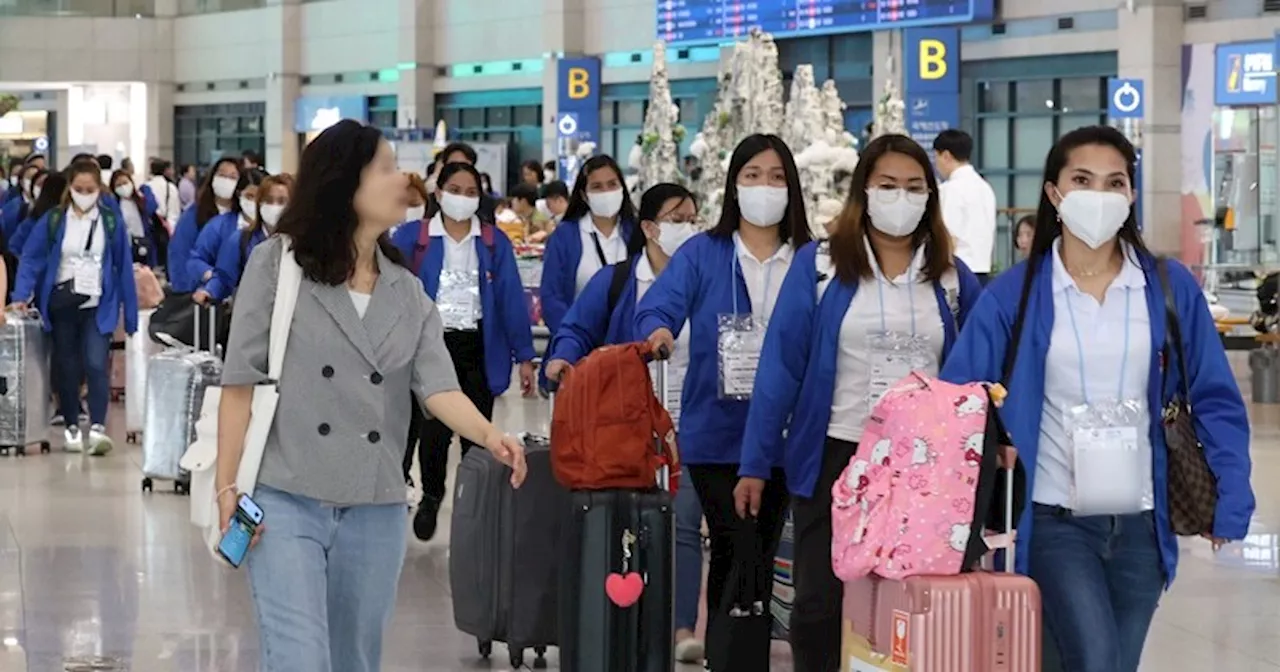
98,575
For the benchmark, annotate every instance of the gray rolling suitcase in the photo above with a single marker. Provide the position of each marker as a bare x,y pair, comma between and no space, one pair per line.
176,382
24,384
504,555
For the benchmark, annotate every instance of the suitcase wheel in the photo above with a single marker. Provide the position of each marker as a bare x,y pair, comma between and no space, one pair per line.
45,448
540,663
516,657
131,437
182,487
486,648
147,484
20,451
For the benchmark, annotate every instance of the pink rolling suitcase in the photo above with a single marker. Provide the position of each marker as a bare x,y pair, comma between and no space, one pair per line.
976,622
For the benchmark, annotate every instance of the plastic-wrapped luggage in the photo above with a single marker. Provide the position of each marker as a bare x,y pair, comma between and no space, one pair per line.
138,349
24,384
505,552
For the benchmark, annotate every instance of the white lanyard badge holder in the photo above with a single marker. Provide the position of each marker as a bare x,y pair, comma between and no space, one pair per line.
1109,461
86,268
458,299
740,338
893,355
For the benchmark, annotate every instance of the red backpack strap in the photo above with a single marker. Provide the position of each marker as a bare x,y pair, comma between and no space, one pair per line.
420,247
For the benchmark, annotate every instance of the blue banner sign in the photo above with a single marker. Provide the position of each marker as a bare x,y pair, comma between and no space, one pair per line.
1244,74
577,110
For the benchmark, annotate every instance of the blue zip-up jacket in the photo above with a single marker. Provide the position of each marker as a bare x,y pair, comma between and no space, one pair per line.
181,245
505,330
38,272
698,285
11,192
1221,421
796,380
204,254
230,267
560,261
11,217
589,324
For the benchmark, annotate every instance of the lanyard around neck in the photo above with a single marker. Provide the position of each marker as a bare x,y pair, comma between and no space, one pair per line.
911,301
1124,356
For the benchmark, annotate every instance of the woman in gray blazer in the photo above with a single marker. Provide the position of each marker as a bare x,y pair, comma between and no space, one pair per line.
331,484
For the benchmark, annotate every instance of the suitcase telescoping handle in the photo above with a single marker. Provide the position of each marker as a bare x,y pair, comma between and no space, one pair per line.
211,310
1008,460
663,357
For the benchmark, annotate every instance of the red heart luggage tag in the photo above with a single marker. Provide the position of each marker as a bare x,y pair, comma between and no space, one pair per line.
624,589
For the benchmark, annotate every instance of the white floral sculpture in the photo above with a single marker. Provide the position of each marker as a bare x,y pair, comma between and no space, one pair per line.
657,156
891,112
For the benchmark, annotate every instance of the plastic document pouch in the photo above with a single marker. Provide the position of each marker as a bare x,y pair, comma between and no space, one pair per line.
459,299
675,388
892,356
738,354
1112,466
86,276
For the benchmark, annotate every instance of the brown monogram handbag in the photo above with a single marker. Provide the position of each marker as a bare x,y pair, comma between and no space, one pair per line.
1192,487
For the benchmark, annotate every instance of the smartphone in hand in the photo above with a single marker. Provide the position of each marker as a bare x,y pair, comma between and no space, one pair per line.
235,541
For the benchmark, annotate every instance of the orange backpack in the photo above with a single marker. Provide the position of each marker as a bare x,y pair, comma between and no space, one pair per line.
608,429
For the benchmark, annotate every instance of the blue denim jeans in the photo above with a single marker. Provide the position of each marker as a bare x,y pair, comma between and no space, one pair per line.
688,556
1100,580
324,582
80,351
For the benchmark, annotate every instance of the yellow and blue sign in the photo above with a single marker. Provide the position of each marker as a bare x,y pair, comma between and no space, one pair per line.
1125,98
932,58
1245,74
577,108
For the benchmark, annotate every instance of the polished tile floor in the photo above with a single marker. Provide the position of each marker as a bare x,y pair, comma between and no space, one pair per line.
94,575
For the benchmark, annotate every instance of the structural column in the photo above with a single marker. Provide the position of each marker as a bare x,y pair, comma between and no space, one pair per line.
886,64
1152,51
159,102
563,31
416,92
284,85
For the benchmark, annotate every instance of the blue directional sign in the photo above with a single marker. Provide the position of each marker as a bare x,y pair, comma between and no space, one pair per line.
1125,98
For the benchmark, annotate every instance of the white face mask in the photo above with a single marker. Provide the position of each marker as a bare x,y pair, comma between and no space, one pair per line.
13,180
415,213
458,207
270,213
35,192
248,208
895,212
605,203
763,206
224,187
125,190
26,187
85,202
431,184
550,175
671,235
1094,216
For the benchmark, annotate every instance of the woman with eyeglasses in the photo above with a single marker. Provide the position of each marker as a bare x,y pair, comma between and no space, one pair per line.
722,286
886,283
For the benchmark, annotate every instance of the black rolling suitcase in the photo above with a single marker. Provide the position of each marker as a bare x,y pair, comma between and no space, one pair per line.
505,550
618,542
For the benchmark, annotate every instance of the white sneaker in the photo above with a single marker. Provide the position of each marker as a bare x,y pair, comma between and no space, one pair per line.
99,443
689,650
73,442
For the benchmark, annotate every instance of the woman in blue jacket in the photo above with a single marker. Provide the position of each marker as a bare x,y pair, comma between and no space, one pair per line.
272,197
16,210
48,192
725,284
217,196
78,269
204,256
1097,538
886,282
138,208
594,234
605,313
468,267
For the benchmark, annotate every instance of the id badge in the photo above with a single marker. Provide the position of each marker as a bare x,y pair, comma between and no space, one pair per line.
738,353
675,388
893,356
1112,470
459,300
87,277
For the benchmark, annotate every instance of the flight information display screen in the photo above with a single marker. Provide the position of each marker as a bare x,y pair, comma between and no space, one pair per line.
707,21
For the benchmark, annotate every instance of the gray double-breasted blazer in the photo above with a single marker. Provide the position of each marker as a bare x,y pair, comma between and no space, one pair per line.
343,418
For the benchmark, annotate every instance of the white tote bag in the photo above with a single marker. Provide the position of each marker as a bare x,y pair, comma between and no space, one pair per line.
201,458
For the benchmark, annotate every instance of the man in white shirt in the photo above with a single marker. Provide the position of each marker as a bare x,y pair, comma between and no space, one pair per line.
968,202
168,200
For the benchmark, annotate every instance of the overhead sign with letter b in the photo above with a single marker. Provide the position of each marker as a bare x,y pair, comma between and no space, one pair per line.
932,57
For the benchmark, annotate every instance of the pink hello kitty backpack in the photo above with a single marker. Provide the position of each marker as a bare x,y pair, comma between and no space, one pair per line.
920,491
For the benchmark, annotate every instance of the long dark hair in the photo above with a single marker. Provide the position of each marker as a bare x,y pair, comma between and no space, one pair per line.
794,227
651,207
1048,225
55,185
207,202
137,198
264,187
578,206
320,218
848,249
446,173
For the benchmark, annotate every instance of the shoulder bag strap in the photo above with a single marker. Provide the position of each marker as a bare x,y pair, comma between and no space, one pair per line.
420,247
1173,331
287,285
1019,318
618,283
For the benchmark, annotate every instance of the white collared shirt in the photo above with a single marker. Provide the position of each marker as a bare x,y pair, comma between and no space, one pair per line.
613,246
763,278
909,293
76,233
459,255
969,211
1102,329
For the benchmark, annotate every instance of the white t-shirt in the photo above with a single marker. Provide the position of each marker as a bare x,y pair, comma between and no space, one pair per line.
361,301
969,211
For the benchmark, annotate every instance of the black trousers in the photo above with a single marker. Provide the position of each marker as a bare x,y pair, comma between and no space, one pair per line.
815,616
430,435
715,484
